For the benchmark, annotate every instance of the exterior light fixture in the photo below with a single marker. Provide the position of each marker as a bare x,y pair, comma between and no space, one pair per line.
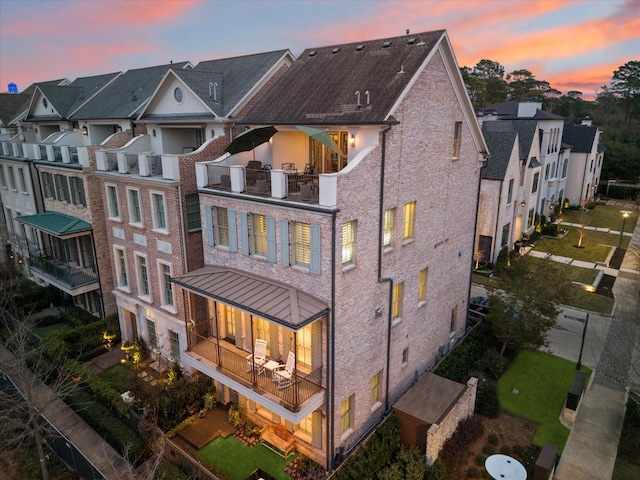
352,141
523,203
119,129
625,214
85,131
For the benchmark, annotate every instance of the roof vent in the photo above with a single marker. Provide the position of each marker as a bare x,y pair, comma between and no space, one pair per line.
411,41
312,54
386,44
335,50
359,48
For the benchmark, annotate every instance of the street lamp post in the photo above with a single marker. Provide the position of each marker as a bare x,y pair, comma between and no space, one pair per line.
625,214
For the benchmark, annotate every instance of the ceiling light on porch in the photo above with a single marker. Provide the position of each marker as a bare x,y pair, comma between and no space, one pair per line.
85,131
352,141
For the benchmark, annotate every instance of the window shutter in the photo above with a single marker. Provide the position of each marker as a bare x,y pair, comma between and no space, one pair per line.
316,345
316,432
233,232
284,244
315,249
271,239
83,198
244,233
273,340
209,223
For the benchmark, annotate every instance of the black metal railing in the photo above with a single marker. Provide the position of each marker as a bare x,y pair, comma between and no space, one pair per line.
303,186
112,162
57,154
155,165
132,163
43,152
257,181
219,176
73,155
61,271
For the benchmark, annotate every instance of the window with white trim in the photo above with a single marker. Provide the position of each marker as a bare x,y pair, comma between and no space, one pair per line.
534,184
301,244
405,356
510,192
454,320
194,222
376,388
396,307
346,414
3,181
112,202
21,181
143,276
12,180
121,268
259,232
388,228
166,287
408,221
135,212
457,134
422,285
349,243
159,211
174,345
152,337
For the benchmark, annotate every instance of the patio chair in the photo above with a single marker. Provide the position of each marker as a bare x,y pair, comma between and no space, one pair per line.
283,374
258,358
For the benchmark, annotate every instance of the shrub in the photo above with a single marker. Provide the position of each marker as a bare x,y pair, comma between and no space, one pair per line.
480,459
473,472
518,450
492,363
458,364
493,439
468,431
488,450
408,465
168,471
181,398
487,402
506,450
237,418
47,320
438,471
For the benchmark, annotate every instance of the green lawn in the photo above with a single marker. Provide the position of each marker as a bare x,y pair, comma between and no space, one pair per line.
606,216
119,377
542,381
597,245
49,329
239,461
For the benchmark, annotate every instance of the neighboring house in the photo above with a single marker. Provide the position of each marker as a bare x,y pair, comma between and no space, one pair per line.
337,276
149,190
584,162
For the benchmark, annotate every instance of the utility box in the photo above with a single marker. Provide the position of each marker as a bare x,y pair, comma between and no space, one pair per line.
546,464
575,392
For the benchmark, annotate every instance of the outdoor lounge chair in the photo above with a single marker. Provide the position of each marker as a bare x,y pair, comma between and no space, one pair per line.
258,358
283,374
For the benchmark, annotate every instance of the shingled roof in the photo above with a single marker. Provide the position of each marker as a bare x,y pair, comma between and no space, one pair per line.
526,130
509,111
500,145
320,87
123,97
580,137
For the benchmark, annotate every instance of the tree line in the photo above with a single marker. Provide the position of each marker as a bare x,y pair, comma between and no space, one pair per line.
616,109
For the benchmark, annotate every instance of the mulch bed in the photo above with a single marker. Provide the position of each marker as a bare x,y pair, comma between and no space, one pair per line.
605,287
616,259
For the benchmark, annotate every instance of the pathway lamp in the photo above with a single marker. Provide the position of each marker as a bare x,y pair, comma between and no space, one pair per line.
625,214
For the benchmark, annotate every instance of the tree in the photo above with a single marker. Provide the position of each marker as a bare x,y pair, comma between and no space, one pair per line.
527,306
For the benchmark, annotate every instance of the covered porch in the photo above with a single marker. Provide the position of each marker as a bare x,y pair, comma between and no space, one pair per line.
250,333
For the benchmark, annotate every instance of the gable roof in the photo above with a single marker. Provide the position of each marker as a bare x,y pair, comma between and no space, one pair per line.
320,87
526,130
123,97
500,145
580,137
509,111
15,105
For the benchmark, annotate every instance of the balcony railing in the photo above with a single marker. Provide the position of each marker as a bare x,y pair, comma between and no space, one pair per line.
43,152
57,153
233,363
257,181
112,161
61,271
132,163
219,176
73,155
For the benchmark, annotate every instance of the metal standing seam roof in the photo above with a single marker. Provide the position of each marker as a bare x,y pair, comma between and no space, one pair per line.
58,224
274,301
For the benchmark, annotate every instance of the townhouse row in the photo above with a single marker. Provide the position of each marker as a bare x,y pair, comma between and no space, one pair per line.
301,231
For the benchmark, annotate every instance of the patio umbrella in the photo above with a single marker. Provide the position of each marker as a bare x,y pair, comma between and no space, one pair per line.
250,139
322,137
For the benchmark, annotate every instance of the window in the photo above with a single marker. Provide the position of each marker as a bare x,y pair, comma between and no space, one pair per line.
262,329
121,268
387,228
135,214
230,322
143,276
306,425
166,287
112,197
3,182
301,244
9,218
346,414
405,356
376,387
422,285
396,308
510,192
536,180
453,321
159,211
174,345
565,167
505,234
259,231
151,334
21,181
47,185
546,171
178,95
408,221
62,188
12,180
530,218
349,243
457,133
222,215
77,191
193,212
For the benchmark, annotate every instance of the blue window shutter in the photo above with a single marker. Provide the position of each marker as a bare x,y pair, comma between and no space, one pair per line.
271,239
233,230
284,242
315,249
244,233
209,223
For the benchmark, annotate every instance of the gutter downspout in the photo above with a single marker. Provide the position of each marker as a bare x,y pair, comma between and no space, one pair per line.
331,353
380,277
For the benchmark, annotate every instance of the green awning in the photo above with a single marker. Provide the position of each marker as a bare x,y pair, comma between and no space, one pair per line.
58,224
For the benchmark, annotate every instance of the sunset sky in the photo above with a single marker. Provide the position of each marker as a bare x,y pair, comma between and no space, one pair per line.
572,44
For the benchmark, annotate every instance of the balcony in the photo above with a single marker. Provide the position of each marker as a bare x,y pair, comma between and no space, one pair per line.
231,362
142,164
61,272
